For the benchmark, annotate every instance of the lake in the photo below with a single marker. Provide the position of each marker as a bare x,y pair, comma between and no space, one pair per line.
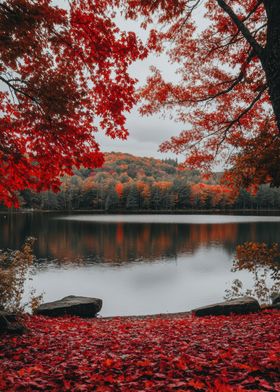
139,264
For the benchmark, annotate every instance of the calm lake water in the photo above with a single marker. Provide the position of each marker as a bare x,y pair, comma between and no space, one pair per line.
139,264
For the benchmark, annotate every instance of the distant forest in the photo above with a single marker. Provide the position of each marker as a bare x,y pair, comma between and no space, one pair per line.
131,183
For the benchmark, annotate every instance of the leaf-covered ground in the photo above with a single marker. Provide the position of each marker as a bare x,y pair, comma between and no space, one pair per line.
179,353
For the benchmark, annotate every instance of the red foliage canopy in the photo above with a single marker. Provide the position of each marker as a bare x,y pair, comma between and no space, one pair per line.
229,89
62,73
179,353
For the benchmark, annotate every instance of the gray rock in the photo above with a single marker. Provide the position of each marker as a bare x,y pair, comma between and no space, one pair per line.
72,306
16,329
242,305
8,324
4,323
12,317
275,298
276,306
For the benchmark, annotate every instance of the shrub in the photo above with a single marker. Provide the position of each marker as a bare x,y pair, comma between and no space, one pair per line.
14,267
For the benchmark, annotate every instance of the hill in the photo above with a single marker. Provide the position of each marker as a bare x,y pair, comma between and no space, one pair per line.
128,182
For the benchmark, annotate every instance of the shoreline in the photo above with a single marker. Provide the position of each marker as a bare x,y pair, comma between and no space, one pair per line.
146,212
146,316
186,314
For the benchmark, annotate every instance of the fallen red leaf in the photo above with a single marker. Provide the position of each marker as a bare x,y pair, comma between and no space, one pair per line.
226,354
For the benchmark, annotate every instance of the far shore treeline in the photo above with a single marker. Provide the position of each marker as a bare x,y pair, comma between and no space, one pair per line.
127,182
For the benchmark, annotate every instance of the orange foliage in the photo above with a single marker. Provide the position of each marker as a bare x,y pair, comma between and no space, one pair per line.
163,185
216,193
119,189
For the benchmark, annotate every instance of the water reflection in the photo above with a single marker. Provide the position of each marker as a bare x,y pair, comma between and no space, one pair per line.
159,264
121,242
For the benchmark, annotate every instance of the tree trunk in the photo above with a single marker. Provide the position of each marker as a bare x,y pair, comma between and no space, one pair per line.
271,62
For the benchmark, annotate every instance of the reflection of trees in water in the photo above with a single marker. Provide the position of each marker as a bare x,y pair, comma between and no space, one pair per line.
255,232
123,242
263,261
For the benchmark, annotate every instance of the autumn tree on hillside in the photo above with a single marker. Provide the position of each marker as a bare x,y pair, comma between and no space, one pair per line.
60,71
229,89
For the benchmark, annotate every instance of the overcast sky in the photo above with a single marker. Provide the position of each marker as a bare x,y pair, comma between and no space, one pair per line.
145,133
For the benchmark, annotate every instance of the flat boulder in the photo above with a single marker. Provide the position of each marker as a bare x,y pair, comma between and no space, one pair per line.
242,305
72,306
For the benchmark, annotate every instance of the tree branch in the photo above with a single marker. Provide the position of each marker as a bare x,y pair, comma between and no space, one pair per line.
253,10
245,111
232,84
18,90
258,49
